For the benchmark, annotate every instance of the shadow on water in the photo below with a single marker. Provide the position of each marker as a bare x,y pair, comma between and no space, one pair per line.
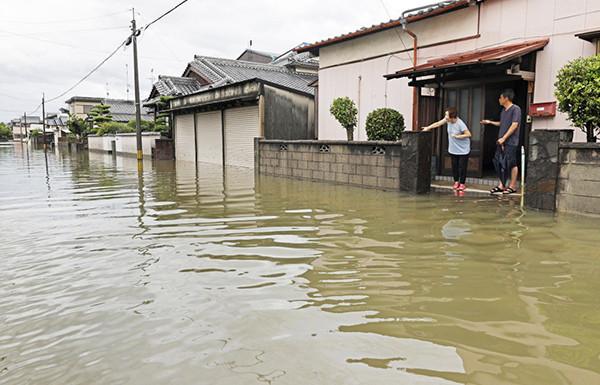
184,274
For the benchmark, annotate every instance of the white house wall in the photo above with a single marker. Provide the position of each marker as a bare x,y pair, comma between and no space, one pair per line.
502,22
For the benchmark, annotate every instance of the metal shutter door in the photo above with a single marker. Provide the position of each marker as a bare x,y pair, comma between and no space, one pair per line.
241,127
210,137
184,138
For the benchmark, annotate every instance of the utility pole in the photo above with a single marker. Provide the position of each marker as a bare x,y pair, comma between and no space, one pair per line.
21,130
44,119
136,85
25,118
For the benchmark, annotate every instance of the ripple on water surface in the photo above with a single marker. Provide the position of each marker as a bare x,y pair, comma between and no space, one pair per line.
190,275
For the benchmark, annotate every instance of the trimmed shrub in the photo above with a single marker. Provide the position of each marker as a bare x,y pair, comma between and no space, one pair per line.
385,124
113,128
345,112
578,94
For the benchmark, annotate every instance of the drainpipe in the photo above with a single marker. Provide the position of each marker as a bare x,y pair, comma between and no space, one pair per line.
415,103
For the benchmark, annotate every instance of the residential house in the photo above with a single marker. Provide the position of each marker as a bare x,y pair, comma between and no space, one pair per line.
121,110
57,125
255,56
217,117
458,53
22,126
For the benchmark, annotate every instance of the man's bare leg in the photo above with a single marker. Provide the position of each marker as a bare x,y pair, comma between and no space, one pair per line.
514,175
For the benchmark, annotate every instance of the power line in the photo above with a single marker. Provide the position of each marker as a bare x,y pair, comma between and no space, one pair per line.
396,30
88,74
164,14
64,20
70,30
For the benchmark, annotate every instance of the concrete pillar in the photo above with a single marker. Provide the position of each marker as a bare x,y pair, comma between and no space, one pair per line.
543,168
257,154
164,149
415,162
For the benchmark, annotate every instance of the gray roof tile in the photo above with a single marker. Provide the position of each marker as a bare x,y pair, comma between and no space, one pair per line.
226,71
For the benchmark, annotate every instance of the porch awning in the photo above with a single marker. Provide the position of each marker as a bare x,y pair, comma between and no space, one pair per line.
495,55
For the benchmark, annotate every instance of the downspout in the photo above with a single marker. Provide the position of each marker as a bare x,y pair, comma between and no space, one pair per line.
415,102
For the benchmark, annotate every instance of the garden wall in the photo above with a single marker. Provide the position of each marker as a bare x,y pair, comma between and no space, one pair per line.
561,175
404,165
579,178
123,144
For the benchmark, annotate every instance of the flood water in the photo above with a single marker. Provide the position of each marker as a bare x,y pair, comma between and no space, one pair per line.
108,276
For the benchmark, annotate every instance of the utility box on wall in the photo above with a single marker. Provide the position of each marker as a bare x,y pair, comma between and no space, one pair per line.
542,110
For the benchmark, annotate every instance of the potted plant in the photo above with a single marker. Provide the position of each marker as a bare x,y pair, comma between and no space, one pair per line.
345,112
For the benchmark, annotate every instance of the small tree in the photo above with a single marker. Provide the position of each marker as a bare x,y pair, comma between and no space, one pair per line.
344,111
5,132
578,94
77,126
100,114
385,124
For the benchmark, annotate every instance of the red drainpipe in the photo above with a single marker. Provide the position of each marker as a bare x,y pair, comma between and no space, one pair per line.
415,102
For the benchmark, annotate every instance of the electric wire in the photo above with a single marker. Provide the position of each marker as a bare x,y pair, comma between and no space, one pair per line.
113,53
79,19
163,15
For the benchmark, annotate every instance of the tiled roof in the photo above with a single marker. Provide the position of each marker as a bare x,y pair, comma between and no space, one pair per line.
492,55
268,55
226,71
291,58
409,17
30,120
176,86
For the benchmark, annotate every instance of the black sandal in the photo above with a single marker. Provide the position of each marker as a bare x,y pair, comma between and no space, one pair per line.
496,190
510,191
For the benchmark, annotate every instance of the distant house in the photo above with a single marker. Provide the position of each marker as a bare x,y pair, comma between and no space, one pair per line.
121,110
57,125
299,62
22,126
227,103
255,56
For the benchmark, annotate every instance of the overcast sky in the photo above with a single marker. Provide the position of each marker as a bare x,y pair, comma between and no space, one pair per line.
48,45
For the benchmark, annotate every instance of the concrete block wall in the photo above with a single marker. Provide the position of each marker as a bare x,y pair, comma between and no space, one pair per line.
378,165
579,178
125,144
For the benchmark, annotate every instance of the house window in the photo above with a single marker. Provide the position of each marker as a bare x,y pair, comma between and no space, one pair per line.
87,109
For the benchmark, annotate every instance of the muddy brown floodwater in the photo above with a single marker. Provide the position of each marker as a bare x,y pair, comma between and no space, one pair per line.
173,277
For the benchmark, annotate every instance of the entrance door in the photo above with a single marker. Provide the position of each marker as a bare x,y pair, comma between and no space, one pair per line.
469,102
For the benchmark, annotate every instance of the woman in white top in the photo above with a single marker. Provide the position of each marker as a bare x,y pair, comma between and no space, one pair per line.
459,145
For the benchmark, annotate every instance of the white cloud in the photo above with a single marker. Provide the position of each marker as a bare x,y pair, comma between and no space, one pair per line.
46,46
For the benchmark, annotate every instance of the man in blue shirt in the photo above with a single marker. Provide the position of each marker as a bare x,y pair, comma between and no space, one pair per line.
508,143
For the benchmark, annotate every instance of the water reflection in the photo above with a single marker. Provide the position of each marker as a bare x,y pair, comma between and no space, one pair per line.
184,274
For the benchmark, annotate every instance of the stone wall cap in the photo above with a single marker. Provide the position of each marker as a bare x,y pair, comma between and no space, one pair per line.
331,142
581,146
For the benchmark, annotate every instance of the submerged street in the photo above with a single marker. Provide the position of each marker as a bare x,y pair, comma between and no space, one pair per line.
178,276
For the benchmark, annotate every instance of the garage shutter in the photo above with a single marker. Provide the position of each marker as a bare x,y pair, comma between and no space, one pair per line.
209,136
241,127
184,138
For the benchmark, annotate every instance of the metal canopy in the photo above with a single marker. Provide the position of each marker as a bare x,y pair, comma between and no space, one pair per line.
496,55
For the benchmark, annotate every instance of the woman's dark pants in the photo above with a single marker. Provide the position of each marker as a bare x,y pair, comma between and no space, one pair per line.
459,167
